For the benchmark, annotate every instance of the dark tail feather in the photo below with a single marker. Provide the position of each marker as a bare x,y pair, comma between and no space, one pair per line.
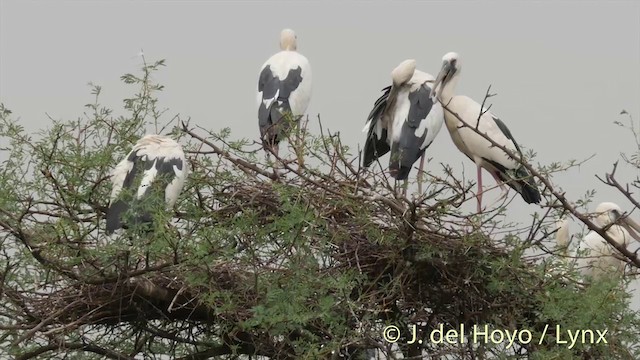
118,209
279,123
114,216
374,147
402,159
399,173
527,186
280,110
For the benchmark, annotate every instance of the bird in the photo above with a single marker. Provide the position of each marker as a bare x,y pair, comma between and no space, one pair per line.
563,239
503,168
284,91
151,175
599,258
404,120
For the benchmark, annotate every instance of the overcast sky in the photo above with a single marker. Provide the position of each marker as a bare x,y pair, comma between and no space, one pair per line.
563,70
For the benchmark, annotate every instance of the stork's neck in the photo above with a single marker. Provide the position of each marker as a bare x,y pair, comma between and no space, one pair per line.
604,219
447,91
288,46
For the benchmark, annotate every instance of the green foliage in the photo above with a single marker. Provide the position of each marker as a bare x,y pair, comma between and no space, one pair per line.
311,264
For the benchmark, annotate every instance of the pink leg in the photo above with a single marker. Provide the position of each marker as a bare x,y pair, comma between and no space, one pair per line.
504,189
420,174
398,189
278,165
479,190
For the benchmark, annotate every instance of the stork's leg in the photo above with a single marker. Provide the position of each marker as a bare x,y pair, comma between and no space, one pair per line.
479,189
420,174
270,147
267,153
503,188
400,189
279,166
276,151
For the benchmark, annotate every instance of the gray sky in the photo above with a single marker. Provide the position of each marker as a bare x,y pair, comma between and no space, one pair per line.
562,70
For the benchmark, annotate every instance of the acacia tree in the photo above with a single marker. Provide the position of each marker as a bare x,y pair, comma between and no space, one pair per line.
316,263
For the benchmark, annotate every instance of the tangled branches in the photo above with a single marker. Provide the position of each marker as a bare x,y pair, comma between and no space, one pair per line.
313,262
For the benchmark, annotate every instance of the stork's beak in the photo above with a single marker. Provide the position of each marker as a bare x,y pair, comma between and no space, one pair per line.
439,79
632,227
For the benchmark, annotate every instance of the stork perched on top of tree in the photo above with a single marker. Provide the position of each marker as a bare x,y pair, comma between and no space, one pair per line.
404,120
284,91
149,179
601,257
503,168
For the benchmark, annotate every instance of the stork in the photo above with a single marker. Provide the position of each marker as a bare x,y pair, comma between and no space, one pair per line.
497,162
284,91
563,239
404,120
150,178
600,258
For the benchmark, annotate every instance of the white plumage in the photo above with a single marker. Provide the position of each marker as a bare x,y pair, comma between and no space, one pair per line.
562,235
599,258
404,120
155,167
501,166
284,87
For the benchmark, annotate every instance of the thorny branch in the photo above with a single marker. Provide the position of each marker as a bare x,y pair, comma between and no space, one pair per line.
566,204
241,234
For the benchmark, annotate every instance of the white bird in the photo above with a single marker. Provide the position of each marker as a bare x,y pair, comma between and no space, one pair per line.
284,89
562,235
501,166
150,177
404,120
600,258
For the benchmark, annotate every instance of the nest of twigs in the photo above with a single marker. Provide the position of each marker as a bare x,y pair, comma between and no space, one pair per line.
410,262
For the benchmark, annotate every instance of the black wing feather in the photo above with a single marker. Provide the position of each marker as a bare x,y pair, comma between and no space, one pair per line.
505,130
374,147
522,181
271,120
407,150
140,210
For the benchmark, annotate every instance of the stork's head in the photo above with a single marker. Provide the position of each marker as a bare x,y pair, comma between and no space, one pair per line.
403,72
288,40
607,213
450,67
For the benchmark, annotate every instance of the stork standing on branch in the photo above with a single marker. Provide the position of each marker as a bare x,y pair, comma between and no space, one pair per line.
404,120
602,258
149,179
284,91
496,161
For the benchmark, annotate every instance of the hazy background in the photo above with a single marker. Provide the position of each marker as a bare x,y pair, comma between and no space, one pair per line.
563,70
